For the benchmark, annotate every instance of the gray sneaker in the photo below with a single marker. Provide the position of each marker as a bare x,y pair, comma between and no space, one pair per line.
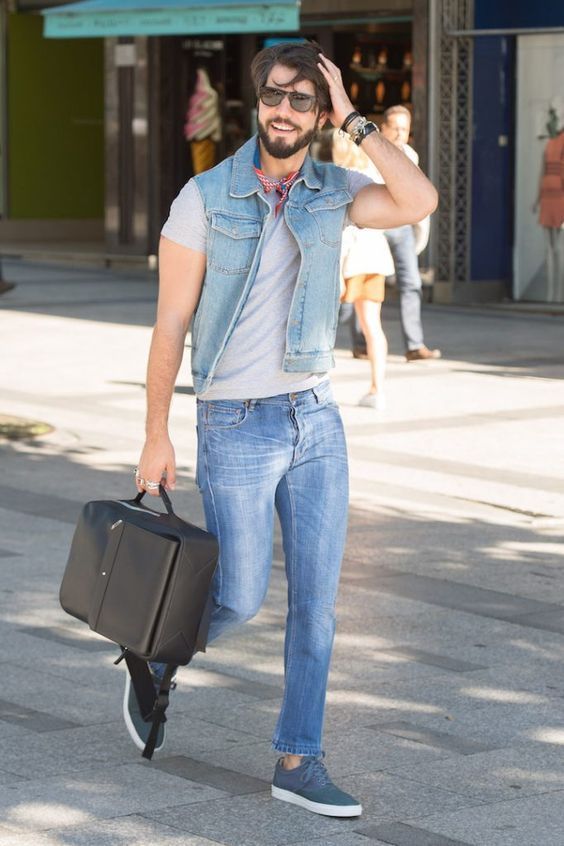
310,787
138,729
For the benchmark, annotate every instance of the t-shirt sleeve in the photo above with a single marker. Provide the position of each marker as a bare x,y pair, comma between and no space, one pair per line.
356,181
187,224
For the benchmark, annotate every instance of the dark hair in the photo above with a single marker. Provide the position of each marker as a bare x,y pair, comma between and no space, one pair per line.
301,57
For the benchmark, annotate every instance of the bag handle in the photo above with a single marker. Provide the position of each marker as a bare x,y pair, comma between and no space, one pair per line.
164,496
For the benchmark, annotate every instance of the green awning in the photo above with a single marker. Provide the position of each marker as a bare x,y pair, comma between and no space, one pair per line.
101,18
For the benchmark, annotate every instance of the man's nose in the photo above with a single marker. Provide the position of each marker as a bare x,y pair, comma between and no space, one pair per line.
284,108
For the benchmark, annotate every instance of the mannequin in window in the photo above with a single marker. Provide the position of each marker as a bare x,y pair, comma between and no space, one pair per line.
203,122
550,205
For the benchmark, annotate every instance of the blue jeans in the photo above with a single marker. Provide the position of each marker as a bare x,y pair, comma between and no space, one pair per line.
402,246
285,453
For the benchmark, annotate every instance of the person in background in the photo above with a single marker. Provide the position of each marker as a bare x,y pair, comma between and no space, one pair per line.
403,245
365,262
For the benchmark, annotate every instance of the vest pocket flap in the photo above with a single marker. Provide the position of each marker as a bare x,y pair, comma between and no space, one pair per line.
329,200
135,575
235,227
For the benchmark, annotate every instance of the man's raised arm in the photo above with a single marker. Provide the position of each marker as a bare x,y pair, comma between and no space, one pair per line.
407,197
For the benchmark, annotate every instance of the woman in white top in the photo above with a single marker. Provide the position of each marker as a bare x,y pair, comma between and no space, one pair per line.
366,260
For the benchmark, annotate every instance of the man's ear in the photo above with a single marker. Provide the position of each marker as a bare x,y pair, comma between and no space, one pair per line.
323,118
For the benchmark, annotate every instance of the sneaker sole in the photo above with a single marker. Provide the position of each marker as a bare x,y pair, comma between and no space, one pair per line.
316,807
138,741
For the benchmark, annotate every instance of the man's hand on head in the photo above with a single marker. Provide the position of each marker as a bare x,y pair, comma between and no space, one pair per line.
340,101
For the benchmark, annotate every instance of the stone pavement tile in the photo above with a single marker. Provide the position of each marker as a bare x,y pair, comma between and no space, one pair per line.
525,770
61,697
30,719
49,754
530,821
351,839
400,834
383,672
461,636
7,778
463,597
94,793
250,686
255,759
433,659
437,739
255,719
350,751
52,507
496,723
75,636
412,696
131,830
187,734
363,750
544,678
9,730
255,820
229,781
209,703
387,797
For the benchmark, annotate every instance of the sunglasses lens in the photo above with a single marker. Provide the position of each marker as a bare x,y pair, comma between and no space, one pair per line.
271,97
301,102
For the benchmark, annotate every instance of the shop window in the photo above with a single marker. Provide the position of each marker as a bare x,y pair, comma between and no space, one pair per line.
376,67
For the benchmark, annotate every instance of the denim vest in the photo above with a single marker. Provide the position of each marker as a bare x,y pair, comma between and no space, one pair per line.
236,213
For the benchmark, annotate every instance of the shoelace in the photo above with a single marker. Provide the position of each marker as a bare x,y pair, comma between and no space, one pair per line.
315,770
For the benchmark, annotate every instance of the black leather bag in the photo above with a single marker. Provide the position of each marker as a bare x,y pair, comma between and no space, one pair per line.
142,578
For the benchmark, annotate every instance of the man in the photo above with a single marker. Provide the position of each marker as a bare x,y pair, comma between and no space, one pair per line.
252,247
402,241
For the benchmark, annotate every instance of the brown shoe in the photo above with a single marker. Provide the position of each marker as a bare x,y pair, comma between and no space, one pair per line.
359,352
422,354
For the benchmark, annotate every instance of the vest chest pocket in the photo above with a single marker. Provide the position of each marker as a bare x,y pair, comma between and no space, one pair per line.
328,210
232,243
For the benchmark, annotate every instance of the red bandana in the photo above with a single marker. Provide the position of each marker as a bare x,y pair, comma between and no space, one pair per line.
281,186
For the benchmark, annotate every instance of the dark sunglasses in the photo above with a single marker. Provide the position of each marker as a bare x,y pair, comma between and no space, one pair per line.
299,102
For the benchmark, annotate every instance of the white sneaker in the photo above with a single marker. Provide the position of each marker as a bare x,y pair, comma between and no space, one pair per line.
375,401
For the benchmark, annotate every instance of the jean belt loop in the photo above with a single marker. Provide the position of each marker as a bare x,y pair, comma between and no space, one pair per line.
251,404
315,393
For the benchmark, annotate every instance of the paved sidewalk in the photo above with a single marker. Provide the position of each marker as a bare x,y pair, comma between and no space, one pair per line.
445,710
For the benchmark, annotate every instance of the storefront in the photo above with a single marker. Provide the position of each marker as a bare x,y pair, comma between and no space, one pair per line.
499,70
153,64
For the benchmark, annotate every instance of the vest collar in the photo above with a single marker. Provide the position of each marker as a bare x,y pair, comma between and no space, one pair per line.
244,181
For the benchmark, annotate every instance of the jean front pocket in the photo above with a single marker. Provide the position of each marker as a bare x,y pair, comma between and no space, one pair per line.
225,415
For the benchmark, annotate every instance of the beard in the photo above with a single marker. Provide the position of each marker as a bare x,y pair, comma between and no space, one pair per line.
280,148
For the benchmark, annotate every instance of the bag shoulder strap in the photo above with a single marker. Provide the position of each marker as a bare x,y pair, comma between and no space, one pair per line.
152,705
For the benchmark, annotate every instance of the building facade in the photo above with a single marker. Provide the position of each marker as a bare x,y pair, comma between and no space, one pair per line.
97,133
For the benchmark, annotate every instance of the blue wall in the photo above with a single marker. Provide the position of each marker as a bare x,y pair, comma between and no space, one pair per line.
494,116
492,164
492,14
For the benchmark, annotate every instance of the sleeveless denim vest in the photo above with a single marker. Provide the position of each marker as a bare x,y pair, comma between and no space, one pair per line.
236,213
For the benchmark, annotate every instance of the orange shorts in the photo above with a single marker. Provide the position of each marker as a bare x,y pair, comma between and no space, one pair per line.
364,287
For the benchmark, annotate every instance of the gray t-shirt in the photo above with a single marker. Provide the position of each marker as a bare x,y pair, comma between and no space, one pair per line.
251,364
